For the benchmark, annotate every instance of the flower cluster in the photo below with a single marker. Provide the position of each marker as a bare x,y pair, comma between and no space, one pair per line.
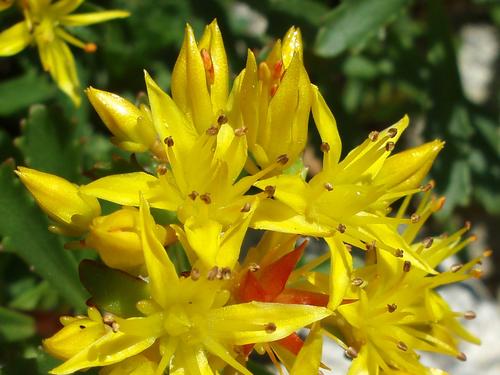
44,25
181,296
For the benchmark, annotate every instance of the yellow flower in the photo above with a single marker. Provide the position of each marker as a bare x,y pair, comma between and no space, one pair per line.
186,317
44,24
61,200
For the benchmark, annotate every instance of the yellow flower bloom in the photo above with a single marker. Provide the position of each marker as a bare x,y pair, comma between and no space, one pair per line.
61,200
44,24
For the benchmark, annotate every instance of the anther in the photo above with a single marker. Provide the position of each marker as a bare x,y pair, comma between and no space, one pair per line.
427,242
415,218
427,187
325,147
456,267
195,274
161,169
328,186
213,130
468,225
391,307
90,47
193,195
246,207
82,326
392,132
108,319
282,159
373,136
169,141
402,346
470,315
115,327
462,357
206,198
270,327
270,190
278,69
389,146
240,131
225,273
222,119
357,281
185,274
212,274
341,228
253,267
406,266
351,352
399,253
273,90
371,246
209,66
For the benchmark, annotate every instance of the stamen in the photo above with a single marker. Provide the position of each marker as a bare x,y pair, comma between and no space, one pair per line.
389,146
462,357
278,69
415,218
392,307
351,352
456,267
161,169
282,159
195,274
246,207
240,131
225,273
470,315
115,327
402,346
209,66
427,242
399,253
169,141
325,147
373,136
108,319
371,246
264,73
427,187
270,190
406,266
328,186
357,281
213,130
222,119
90,47
213,273
270,327
193,195
341,228
253,267
392,132
206,198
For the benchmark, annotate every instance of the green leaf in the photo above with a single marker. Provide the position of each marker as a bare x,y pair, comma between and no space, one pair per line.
20,92
353,22
15,326
24,230
112,290
49,143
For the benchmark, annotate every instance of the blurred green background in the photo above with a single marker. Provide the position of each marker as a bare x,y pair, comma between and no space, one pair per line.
374,60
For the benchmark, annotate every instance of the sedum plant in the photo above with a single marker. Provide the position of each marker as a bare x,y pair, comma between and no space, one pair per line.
175,291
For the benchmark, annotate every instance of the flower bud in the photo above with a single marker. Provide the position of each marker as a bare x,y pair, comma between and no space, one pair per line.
61,200
132,127
116,239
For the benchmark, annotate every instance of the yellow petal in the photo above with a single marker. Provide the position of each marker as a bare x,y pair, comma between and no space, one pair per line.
83,19
14,39
64,6
5,4
292,45
309,358
340,271
136,365
256,322
204,238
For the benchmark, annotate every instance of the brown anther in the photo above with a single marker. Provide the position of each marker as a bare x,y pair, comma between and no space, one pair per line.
115,327
161,169
82,326
373,136
253,267
341,228
273,90
427,242
108,319
270,190
487,253
282,159
399,253
357,281
406,266
391,307
389,146
169,141
328,186
462,357
212,274
246,207
90,47
270,327
477,273
392,132
348,247
213,130
206,198
195,274
208,65
325,147
467,225
278,69
402,346
240,132
414,218
193,195
222,119
225,273
351,352
185,274
470,315
427,187
371,246
456,267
